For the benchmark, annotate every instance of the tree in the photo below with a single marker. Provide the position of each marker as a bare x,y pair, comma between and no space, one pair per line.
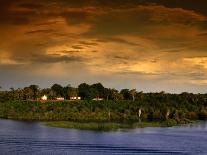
28,93
20,94
133,92
49,92
84,91
13,92
116,95
70,92
89,92
107,93
35,90
125,93
98,90
58,89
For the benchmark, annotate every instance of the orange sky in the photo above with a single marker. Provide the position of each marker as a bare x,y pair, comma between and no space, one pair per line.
151,45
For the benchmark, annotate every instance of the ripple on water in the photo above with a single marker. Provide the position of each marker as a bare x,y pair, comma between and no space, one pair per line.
20,138
28,146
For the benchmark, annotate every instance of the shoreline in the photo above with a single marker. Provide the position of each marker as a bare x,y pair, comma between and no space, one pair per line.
111,126
107,126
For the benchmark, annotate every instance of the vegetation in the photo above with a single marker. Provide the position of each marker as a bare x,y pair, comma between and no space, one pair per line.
89,125
107,126
126,107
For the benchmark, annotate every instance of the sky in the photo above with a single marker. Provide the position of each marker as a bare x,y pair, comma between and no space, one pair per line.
150,45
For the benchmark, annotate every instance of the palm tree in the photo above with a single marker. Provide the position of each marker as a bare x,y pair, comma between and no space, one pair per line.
133,93
12,90
28,93
20,94
116,95
35,90
107,92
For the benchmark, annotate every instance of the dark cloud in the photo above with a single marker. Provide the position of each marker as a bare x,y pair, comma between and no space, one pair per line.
142,19
40,31
136,73
198,5
31,5
109,12
117,40
131,39
46,23
79,47
197,75
87,43
10,15
77,16
52,58
69,51
202,34
121,57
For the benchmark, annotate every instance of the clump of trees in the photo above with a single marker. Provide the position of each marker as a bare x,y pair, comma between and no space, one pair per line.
124,105
84,90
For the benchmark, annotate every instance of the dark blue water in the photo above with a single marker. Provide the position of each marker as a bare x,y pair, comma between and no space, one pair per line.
21,138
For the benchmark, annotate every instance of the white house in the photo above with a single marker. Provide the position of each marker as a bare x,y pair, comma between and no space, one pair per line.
44,97
75,98
60,98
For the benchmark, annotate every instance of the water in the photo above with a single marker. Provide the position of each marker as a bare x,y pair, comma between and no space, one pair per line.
19,138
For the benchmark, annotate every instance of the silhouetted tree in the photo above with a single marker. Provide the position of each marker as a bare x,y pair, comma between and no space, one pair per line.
58,89
35,90
133,93
125,93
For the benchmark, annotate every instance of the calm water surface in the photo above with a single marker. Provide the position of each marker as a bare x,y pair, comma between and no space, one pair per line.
19,138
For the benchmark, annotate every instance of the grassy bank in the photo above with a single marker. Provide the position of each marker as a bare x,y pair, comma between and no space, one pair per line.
109,126
166,112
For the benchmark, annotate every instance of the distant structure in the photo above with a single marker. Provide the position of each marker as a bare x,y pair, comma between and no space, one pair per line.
60,98
75,98
97,99
44,98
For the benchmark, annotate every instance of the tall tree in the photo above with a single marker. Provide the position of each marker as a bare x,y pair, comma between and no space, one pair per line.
125,93
58,89
133,92
86,91
98,89
83,90
116,95
12,92
49,92
70,92
107,93
28,93
35,90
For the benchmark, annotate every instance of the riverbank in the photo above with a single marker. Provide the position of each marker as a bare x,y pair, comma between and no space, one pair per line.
117,114
110,126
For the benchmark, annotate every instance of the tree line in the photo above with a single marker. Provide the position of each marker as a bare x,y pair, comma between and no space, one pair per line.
123,105
84,90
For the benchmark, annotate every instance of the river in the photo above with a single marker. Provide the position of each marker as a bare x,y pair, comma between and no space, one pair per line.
33,138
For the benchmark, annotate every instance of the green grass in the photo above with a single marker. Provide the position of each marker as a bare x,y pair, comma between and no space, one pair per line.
88,126
109,126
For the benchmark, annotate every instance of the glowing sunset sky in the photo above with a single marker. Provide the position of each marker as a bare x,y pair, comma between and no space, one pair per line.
151,45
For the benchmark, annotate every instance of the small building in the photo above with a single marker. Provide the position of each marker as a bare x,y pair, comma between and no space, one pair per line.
97,99
60,98
75,98
44,98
